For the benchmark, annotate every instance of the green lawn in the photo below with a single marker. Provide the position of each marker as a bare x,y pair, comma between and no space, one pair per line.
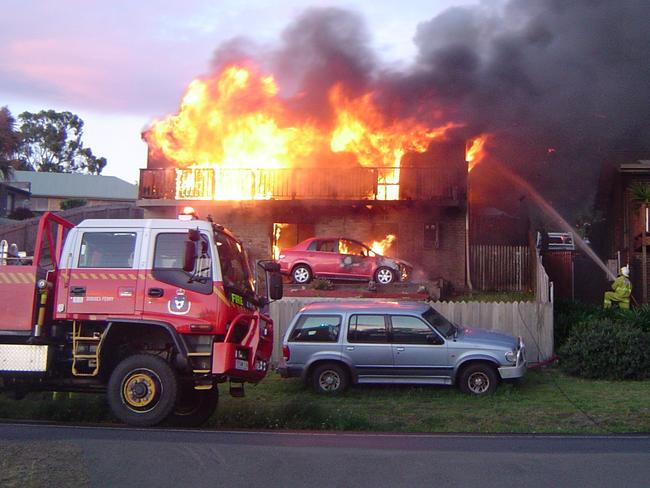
544,401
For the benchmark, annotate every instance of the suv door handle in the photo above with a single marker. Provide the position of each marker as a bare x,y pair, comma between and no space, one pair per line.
349,348
155,292
399,349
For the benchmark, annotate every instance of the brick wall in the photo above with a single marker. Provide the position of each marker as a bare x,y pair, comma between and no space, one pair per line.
442,258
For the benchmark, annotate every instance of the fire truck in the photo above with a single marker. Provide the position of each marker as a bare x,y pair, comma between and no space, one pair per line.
155,313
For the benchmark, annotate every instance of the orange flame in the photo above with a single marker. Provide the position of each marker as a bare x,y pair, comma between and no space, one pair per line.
382,247
475,154
277,232
236,121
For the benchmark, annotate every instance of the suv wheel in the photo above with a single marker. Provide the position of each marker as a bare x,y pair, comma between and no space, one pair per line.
478,379
330,379
301,274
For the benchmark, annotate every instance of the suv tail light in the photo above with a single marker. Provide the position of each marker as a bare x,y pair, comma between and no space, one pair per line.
286,353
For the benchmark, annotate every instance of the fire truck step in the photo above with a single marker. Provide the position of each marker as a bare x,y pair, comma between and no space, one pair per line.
85,360
201,371
237,390
199,354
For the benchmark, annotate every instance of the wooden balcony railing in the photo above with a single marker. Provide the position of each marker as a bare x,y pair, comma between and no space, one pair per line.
359,183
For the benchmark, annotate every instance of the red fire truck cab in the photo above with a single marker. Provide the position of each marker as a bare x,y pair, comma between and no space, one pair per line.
153,312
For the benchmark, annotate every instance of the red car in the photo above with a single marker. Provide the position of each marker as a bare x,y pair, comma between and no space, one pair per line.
340,258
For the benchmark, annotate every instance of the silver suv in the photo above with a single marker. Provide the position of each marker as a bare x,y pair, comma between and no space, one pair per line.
333,344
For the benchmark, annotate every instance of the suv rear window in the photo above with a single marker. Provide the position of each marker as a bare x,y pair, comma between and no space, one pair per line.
316,328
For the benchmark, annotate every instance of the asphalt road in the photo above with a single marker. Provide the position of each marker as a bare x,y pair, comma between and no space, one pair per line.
159,458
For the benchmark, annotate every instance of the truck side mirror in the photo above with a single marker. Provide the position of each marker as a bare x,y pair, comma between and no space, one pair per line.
275,286
194,235
189,256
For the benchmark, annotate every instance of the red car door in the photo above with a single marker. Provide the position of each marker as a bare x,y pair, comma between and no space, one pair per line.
354,259
323,257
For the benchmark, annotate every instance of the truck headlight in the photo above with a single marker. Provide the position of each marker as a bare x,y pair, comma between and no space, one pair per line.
511,356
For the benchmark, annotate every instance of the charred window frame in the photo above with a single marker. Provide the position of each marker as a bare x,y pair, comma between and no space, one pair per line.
168,263
431,236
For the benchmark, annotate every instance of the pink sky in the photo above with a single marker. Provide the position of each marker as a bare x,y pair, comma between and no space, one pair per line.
120,64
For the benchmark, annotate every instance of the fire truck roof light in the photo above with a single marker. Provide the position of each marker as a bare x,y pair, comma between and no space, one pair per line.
188,213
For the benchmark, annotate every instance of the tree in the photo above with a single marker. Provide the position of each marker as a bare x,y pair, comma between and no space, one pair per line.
641,195
9,143
51,142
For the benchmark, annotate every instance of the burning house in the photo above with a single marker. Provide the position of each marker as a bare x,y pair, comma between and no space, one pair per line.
240,153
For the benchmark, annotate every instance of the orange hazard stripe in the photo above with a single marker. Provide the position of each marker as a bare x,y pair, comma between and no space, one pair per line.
17,278
104,276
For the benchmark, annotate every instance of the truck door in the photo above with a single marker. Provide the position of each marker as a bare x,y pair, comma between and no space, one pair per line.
170,290
103,276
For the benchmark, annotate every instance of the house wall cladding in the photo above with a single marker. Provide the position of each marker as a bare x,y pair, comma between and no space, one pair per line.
533,321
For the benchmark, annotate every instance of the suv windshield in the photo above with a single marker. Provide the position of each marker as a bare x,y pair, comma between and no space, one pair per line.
235,269
442,325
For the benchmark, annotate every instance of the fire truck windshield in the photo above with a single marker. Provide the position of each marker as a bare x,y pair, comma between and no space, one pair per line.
235,269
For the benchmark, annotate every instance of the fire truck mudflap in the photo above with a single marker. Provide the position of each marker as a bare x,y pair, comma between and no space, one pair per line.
245,353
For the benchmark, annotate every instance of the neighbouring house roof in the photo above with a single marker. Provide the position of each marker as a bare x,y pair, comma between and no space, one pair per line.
74,185
16,187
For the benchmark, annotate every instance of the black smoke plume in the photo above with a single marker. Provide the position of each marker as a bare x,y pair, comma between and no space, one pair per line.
563,87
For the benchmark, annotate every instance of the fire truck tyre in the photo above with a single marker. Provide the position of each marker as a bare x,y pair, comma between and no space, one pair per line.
384,276
330,379
142,390
193,407
301,274
478,379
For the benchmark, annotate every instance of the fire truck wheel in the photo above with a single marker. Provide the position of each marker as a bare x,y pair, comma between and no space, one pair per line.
142,390
384,275
301,274
193,407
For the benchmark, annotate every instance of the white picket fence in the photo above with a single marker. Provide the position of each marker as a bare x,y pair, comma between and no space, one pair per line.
543,284
533,321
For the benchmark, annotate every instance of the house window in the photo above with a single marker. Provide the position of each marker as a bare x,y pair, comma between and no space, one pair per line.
431,236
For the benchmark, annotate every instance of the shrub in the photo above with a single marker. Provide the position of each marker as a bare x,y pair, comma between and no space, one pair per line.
322,284
607,350
21,213
638,317
72,203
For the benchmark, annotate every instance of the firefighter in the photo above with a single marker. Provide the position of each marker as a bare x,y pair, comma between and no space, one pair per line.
621,290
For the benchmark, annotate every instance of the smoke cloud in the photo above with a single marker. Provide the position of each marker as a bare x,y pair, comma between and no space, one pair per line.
561,87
